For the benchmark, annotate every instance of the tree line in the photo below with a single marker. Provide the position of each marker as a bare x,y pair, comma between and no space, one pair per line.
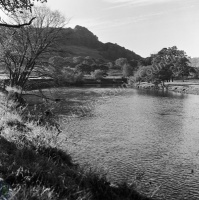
167,64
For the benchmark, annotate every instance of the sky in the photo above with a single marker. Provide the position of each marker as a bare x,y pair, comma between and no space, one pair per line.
143,26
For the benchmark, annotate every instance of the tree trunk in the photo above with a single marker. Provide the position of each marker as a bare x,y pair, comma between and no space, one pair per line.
182,78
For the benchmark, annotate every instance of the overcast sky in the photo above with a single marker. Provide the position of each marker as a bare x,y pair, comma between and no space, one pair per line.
144,26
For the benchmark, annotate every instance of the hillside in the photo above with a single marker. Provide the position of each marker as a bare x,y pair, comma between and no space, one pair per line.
82,42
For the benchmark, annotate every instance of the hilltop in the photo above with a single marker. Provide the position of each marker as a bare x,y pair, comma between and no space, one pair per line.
82,42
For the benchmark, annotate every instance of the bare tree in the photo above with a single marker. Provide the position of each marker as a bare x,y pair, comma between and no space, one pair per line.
13,6
23,50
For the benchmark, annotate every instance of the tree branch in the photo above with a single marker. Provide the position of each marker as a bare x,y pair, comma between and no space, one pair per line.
17,25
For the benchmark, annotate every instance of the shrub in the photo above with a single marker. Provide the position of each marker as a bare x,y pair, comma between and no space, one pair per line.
98,74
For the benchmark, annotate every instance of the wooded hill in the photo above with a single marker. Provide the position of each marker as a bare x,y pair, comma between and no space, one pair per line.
82,42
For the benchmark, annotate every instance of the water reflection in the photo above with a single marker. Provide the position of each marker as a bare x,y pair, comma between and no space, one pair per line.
162,93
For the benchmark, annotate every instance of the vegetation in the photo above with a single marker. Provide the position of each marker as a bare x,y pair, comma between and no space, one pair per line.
84,68
17,6
127,67
194,62
75,69
23,50
164,66
59,70
98,74
82,42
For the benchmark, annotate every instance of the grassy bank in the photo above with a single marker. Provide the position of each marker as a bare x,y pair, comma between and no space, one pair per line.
33,166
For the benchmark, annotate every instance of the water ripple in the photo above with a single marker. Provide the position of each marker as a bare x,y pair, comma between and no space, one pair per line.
145,137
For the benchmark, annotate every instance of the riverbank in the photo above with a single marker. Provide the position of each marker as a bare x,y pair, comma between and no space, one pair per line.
33,166
37,83
187,87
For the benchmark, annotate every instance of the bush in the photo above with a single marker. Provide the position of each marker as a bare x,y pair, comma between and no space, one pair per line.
98,74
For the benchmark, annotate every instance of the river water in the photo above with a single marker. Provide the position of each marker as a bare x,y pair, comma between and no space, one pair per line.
143,137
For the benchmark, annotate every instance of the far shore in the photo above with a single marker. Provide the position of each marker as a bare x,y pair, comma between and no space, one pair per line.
186,87
190,86
44,83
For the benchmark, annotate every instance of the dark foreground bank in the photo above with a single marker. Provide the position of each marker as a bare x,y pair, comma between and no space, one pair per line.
32,166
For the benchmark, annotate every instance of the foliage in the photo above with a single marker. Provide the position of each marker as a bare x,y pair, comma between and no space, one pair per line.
114,51
144,73
80,41
110,65
116,67
98,74
57,68
145,61
17,6
195,72
99,61
101,67
194,62
57,61
78,59
89,65
121,61
166,64
84,68
23,50
127,69
60,70
71,75
170,62
182,67
88,60
134,64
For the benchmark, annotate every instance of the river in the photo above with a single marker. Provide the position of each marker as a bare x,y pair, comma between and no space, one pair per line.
149,138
